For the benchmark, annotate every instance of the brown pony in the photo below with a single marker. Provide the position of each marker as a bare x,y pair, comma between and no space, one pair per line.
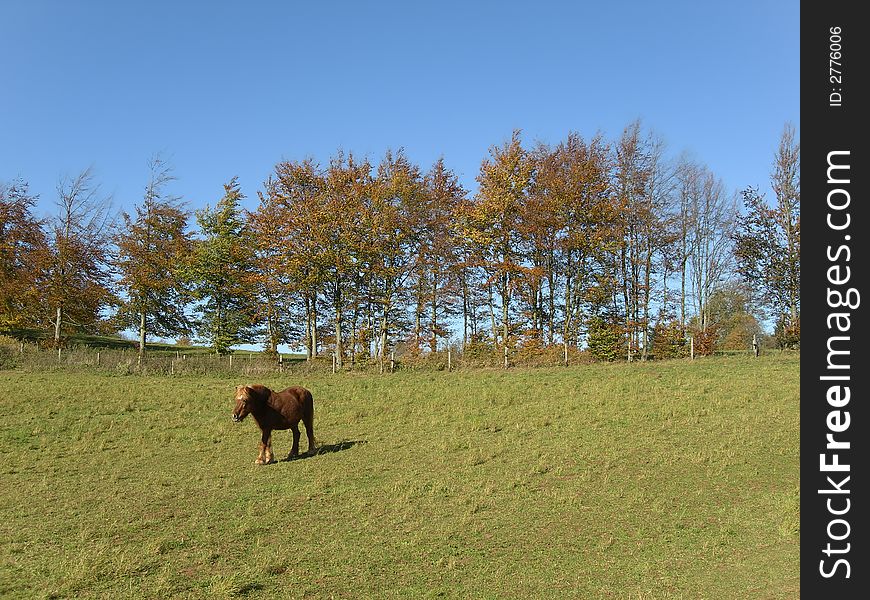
276,410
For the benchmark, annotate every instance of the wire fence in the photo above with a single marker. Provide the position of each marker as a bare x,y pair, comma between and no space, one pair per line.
127,362
32,357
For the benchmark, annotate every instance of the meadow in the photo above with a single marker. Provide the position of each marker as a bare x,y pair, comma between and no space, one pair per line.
672,479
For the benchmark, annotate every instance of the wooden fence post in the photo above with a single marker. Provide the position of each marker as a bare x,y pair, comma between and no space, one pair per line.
392,361
692,347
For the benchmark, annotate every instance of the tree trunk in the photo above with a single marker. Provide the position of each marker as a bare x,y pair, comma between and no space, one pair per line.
337,307
309,354
433,342
665,296
338,348
57,321
504,310
142,333
569,300
551,285
492,318
626,299
314,326
383,350
353,335
464,312
418,325
646,296
683,298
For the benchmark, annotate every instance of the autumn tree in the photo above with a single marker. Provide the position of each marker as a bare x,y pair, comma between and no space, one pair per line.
573,181
439,249
289,225
23,257
468,274
269,279
219,272
541,226
767,241
393,211
151,247
493,224
340,238
272,275
78,281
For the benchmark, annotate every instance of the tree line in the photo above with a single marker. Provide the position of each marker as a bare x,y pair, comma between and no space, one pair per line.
609,245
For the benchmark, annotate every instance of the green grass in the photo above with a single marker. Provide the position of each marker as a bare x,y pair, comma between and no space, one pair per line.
77,341
97,341
661,480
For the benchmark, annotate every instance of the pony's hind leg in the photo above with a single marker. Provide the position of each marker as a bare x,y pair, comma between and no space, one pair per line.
309,431
294,451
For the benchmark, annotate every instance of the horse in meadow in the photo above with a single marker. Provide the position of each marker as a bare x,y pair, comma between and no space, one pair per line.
276,410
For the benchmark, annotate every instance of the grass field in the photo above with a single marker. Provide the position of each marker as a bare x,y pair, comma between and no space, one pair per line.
660,480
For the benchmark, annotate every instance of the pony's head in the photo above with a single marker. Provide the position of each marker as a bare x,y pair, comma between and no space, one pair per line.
244,401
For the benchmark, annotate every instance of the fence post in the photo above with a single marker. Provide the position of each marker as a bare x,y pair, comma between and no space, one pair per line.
566,353
333,363
755,345
392,361
98,359
21,348
692,347
58,355
231,361
449,359
171,366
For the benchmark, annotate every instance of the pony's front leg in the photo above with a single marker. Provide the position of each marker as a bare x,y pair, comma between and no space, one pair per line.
265,456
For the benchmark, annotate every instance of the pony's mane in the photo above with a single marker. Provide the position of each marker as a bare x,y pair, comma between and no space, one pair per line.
258,393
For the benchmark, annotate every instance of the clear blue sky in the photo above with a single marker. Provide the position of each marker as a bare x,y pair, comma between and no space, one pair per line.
230,88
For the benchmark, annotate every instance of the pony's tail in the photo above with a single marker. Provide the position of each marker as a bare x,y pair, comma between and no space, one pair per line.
308,404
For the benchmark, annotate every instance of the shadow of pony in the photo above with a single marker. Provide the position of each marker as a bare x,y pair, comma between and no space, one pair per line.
327,449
